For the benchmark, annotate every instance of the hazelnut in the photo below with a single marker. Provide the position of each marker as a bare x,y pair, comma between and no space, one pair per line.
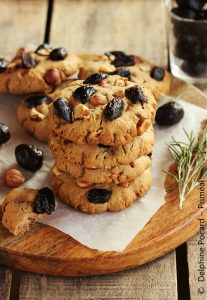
81,111
13,178
36,115
98,99
118,94
53,77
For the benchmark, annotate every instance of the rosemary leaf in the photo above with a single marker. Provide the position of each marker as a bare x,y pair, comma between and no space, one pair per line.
191,162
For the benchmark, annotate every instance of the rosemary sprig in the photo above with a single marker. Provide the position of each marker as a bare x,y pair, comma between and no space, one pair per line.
191,162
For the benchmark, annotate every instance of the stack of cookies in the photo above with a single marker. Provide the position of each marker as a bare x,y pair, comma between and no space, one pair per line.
101,138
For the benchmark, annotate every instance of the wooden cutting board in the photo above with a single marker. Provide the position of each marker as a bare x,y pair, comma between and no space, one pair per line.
46,250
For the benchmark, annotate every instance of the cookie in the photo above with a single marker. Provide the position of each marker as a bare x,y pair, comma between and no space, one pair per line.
100,197
37,71
17,210
101,156
32,114
121,174
135,68
112,111
23,207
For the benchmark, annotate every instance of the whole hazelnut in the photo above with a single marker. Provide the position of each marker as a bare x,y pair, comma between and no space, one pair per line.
13,178
53,77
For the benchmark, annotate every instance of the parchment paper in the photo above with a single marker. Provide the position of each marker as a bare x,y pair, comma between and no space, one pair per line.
105,231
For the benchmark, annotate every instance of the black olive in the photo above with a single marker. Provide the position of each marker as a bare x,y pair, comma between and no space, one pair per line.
99,196
84,93
193,68
43,46
27,60
58,54
95,78
114,109
29,157
44,201
193,4
121,59
184,13
123,72
35,100
63,109
135,95
116,53
169,114
157,73
3,65
202,15
4,133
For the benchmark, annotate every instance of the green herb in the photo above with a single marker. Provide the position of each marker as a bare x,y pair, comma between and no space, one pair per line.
191,163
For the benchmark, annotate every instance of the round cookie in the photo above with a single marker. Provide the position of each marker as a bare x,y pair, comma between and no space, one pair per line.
101,156
136,68
121,174
37,71
109,197
112,111
34,117
32,114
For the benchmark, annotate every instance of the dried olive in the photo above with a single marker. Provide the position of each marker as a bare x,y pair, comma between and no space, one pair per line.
44,201
95,78
114,109
42,47
193,4
63,109
58,54
29,157
84,93
193,68
35,100
184,13
99,196
4,133
123,72
27,60
169,114
121,59
3,65
157,73
135,95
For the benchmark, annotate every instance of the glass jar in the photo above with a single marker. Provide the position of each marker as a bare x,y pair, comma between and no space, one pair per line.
187,40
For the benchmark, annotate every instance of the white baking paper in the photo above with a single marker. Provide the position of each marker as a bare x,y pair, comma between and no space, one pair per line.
105,231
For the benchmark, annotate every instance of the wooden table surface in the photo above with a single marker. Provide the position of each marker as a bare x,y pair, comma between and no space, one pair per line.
135,26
